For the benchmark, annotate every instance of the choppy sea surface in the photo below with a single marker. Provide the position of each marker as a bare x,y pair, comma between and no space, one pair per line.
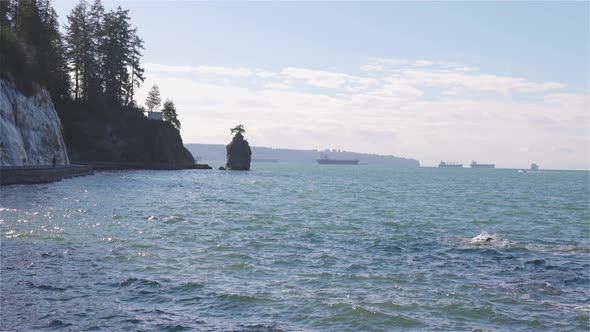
289,247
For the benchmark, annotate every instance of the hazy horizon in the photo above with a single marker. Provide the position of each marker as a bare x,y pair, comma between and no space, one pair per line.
504,83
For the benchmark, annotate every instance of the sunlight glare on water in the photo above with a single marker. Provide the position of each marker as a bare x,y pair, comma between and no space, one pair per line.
289,247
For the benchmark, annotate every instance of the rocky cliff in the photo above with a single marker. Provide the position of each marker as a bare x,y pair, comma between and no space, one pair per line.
238,154
125,137
30,129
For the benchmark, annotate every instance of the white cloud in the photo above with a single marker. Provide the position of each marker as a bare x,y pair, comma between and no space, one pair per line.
477,82
326,79
395,65
374,67
430,110
567,99
423,63
204,70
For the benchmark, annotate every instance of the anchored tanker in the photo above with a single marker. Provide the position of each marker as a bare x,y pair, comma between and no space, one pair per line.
325,160
474,164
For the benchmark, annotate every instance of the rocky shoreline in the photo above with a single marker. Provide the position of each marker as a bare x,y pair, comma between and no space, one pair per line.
41,174
10,175
105,165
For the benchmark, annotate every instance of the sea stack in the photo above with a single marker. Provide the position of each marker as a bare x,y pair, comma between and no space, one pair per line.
239,154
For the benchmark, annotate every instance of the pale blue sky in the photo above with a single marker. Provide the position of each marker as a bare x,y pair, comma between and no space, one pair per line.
517,55
536,40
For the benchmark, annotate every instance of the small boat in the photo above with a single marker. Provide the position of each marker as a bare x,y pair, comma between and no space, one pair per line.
534,167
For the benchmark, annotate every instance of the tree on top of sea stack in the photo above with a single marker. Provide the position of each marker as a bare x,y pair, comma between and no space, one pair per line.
239,130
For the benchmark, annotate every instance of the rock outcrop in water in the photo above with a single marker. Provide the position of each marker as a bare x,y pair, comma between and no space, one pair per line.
30,129
239,154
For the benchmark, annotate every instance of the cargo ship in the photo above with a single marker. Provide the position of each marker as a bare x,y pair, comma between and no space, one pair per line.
474,164
325,160
450,164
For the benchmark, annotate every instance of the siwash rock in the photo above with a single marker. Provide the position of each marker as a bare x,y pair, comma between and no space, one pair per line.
239,154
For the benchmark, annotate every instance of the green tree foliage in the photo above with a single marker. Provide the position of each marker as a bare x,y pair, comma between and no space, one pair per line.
239,130
169,113
153,99
97,60
95,79
117,33
15,63
34,46
137,73
77,37
104,54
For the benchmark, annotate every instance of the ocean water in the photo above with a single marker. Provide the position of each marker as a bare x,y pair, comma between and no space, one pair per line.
289,247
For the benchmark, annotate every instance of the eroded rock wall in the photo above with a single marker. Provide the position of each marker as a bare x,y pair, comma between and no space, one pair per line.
125,138
30,129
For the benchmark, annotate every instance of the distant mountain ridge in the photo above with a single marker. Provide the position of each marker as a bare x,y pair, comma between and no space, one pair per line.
210,152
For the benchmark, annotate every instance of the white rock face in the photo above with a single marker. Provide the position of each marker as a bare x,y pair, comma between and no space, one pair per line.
30,130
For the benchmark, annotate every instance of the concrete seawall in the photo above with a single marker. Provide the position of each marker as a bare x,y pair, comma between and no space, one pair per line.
134,165
41,174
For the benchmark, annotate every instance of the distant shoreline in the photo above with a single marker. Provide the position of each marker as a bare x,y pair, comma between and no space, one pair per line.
213,152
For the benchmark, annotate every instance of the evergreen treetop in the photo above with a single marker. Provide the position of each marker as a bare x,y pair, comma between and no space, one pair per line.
169,113
153,99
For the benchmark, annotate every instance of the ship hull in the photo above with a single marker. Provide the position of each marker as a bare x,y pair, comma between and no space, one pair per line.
483,166
451,166
337,162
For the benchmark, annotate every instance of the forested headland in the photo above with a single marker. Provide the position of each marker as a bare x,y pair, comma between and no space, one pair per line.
92,70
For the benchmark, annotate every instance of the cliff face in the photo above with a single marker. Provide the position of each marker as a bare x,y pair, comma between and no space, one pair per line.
30,130
238,154
127,137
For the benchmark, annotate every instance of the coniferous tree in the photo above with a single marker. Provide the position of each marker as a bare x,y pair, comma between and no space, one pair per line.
153,99
239,130
117,34
137,72
169,113
77,39
101,51
104,53
14,62
35,25
95,78
52,65
5,7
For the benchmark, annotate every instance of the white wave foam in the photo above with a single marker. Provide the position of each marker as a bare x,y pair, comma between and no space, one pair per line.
483,237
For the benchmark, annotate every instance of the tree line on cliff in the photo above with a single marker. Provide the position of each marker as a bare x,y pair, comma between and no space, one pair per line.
95,63
32,49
